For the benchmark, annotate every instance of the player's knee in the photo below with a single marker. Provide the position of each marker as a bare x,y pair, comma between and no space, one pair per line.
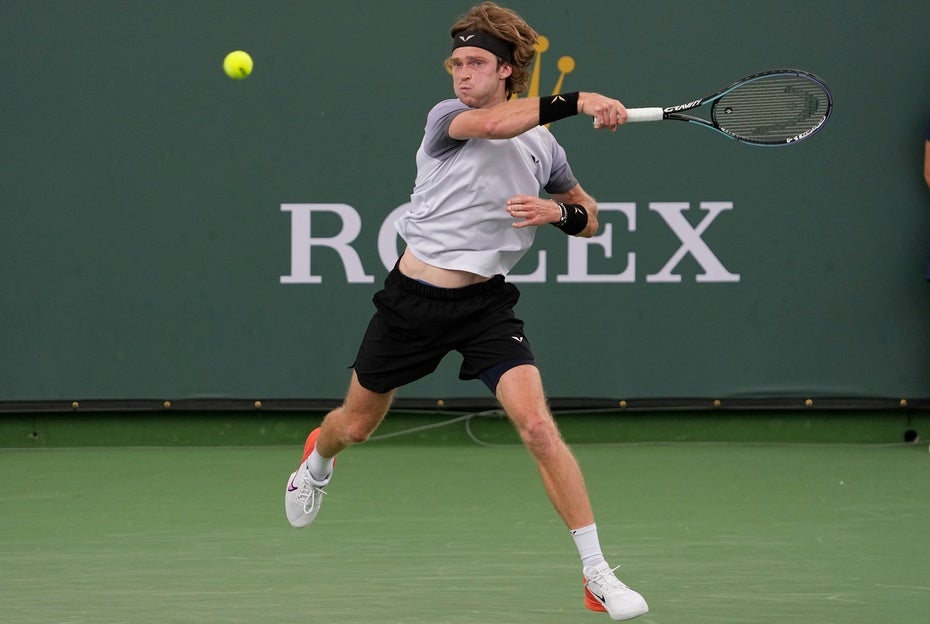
351,427
540,436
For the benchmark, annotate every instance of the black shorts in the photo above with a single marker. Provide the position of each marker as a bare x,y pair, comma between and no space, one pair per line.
416,325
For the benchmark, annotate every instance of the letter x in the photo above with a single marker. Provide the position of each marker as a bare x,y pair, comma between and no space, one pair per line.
692,242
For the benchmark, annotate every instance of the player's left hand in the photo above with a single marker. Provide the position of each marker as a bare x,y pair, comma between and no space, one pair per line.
530,210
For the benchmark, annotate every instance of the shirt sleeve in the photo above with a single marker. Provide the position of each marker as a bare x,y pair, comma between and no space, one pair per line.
436,140
562,179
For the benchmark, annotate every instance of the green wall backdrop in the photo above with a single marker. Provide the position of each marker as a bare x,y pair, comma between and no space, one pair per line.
156,217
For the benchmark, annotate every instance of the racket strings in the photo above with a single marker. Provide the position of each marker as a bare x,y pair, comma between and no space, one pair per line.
773,109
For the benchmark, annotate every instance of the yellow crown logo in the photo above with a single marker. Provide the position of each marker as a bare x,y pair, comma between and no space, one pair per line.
565,65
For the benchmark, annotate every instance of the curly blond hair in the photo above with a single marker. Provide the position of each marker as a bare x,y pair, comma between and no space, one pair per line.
507,25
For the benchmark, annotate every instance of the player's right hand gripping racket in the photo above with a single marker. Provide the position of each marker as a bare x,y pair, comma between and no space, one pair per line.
777,107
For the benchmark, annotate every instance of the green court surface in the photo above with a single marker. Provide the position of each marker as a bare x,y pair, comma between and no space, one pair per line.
432,534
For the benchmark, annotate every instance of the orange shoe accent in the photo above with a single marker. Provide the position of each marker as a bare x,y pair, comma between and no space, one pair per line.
310,444
591,602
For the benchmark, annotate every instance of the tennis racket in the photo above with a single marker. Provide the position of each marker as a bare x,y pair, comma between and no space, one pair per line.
777,107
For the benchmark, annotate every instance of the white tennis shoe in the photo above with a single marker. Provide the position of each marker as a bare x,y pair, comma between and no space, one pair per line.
603,591
303,497
304,494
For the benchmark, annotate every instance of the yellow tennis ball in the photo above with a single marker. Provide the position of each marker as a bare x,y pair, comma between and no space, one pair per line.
237,64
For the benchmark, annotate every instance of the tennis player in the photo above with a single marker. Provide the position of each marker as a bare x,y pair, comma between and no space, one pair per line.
476,206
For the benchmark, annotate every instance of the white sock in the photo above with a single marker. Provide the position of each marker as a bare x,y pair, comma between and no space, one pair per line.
589,546
320,467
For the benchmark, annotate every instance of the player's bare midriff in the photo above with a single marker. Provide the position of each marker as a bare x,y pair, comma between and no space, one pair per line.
414,268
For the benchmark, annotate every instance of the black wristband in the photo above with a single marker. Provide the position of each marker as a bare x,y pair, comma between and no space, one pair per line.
555,107
574,218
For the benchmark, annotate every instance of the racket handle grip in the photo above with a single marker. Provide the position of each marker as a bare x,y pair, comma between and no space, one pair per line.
634,115
643,114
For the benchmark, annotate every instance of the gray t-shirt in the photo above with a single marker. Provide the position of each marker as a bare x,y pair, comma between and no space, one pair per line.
458,218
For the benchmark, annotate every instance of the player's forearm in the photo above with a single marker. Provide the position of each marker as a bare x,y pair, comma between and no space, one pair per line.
503,121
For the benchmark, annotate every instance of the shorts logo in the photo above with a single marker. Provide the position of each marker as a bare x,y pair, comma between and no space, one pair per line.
518,338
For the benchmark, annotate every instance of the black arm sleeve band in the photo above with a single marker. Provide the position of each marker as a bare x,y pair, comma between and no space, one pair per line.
574,219
555,107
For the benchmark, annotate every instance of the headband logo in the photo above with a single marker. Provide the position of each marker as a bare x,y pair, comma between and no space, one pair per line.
464,38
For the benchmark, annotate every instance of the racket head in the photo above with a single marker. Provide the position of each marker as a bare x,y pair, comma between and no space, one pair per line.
777,107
